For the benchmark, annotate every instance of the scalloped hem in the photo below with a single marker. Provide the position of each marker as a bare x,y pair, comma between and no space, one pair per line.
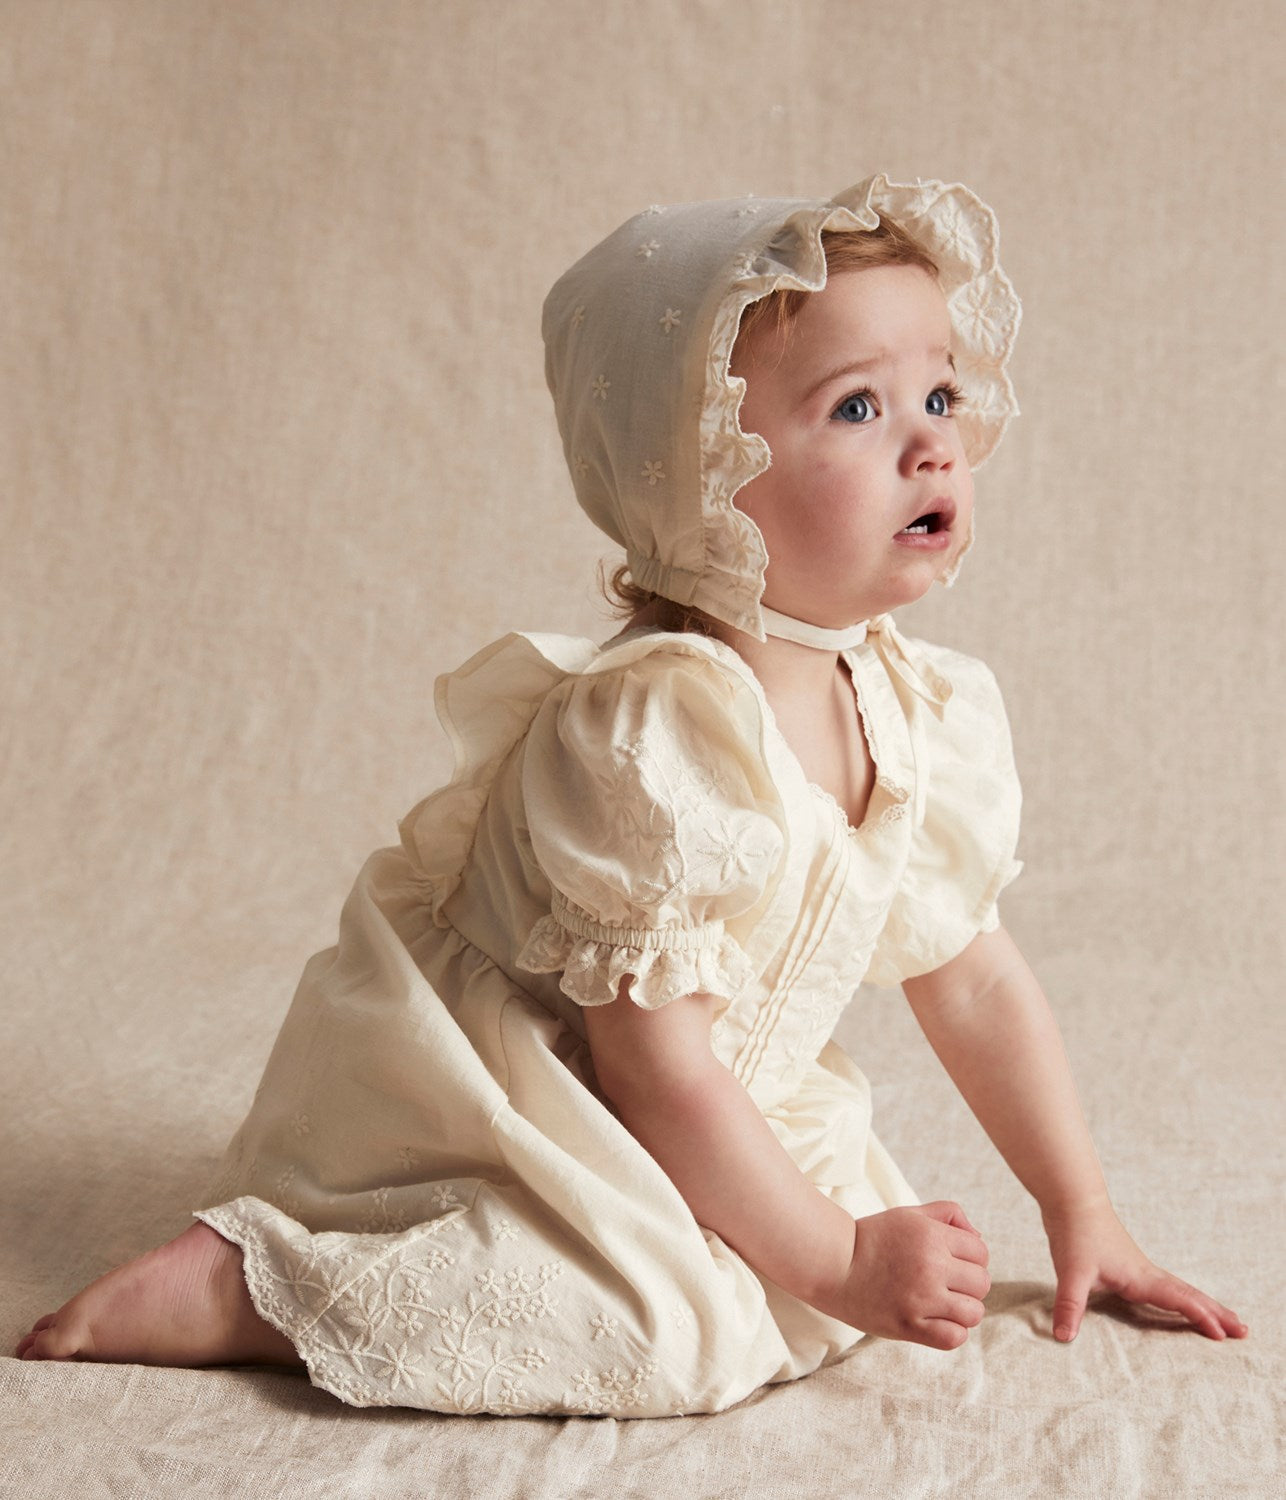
235,1225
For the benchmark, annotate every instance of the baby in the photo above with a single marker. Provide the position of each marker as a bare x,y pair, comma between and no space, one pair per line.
557,1126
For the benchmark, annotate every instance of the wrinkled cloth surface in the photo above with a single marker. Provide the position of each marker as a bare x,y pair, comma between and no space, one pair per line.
435,1202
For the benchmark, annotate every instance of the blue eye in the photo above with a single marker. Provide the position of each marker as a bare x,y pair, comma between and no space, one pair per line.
855,408
943,401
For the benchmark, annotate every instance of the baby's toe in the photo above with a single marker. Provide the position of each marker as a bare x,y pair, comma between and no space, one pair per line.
50,1339
28,1339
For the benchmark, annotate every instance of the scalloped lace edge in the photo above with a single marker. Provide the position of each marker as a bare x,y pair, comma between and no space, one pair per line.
592,969
236,1225
985,315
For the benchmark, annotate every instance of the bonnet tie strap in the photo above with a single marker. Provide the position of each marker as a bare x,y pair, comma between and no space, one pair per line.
911,664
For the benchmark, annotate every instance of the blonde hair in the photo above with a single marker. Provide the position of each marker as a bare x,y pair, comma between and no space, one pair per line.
888,244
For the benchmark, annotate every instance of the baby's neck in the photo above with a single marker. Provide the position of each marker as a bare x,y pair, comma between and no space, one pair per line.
793,677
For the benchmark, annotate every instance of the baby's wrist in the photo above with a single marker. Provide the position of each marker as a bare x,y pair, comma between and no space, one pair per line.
832,1266
1069,1208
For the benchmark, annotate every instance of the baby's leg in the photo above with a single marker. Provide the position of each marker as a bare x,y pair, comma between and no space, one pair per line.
184,1303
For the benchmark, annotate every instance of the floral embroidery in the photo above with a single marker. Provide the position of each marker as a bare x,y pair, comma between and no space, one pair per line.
409,1157
403,1367
505,1230
653,471
379,1218
609,1390
671,319
814,1011
497,1304
368,1315
648,249
301,1125
729,853
744,265
682,1317
972,314
601,387
956,234
651,211
578,317
409,1321
747,210
582,466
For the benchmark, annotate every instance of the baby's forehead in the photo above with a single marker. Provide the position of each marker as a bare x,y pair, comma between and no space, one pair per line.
873,325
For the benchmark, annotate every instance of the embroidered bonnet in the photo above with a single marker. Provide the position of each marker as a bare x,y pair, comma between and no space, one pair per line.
638,335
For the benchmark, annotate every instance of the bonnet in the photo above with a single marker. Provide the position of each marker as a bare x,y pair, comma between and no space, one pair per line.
638,335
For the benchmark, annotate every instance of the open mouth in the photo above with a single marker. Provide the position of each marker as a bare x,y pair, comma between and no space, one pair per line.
938,518
926,525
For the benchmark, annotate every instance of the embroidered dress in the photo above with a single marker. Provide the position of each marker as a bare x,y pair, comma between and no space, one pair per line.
436,1203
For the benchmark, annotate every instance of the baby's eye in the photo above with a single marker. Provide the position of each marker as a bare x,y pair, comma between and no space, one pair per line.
856,408
943,401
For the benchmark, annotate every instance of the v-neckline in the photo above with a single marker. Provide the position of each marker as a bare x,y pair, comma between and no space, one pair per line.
830,798
870,820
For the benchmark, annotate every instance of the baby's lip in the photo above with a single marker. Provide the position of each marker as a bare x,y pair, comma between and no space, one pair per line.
942,505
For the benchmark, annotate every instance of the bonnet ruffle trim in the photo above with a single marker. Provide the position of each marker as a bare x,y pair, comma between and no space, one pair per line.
663,964
961,233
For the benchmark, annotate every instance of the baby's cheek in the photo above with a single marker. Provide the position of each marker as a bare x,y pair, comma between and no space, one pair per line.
835,509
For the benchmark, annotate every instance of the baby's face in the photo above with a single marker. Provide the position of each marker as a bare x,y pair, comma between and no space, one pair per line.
857,413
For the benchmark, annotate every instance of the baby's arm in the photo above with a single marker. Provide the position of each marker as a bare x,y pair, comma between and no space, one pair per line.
910,1273
986,1017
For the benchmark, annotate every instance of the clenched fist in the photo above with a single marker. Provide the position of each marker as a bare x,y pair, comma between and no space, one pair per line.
918,1274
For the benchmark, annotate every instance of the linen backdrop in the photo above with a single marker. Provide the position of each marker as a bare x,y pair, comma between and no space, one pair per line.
275,451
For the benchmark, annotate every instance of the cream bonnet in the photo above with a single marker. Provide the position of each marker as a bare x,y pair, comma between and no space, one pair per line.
638,334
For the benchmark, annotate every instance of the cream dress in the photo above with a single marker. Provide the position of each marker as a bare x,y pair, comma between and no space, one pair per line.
436,1204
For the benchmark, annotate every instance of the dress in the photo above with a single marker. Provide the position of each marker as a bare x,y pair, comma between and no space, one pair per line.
434,1200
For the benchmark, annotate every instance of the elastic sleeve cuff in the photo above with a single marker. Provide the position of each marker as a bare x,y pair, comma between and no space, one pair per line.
663,963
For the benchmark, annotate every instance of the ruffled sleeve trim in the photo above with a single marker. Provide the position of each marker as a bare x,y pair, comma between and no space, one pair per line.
663,963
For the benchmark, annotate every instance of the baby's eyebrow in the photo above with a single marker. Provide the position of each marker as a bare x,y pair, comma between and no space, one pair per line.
857,366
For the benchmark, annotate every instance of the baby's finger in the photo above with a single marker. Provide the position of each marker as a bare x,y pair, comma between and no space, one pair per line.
969,1245
1232,1324
949,1213
969,1279
1069,1302
942,1333
1204,1313
958,1307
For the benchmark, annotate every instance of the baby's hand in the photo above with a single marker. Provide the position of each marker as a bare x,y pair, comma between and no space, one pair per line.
1092,1252
917,1273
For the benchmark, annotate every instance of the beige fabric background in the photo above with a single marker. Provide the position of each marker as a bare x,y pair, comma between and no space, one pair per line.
275,451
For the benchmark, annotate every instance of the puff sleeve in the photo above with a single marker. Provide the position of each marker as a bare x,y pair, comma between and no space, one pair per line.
961,854
652,814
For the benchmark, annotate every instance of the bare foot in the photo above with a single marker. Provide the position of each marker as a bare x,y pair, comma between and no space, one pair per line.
184,1303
